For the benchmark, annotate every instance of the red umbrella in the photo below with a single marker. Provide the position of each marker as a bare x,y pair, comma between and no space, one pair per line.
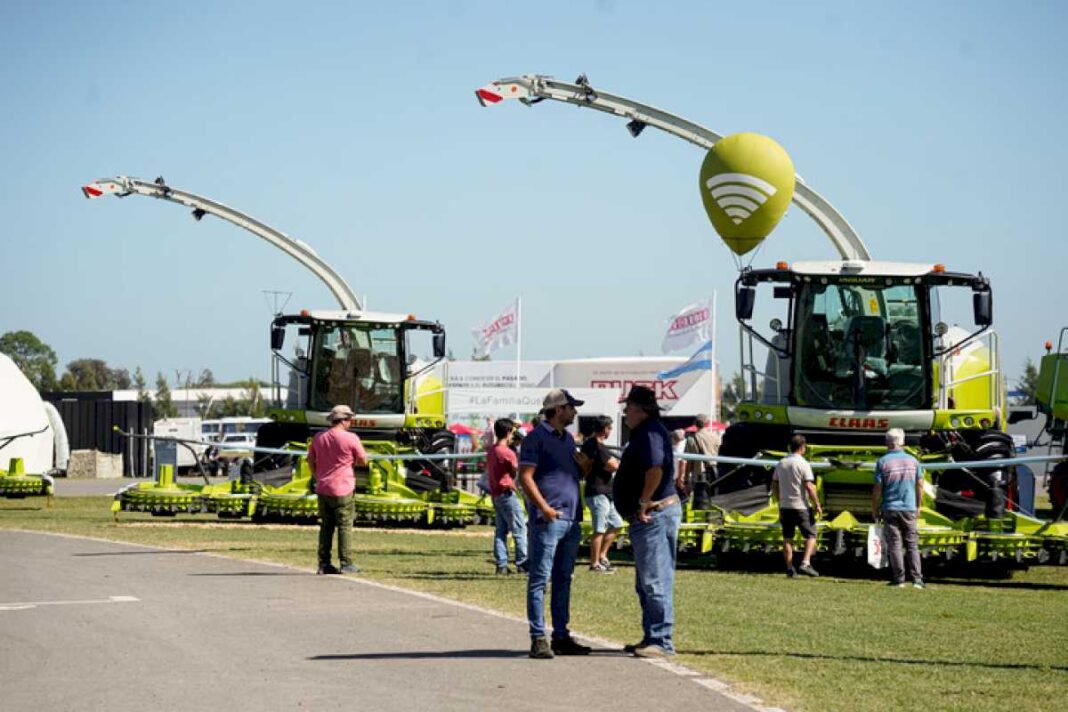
461,429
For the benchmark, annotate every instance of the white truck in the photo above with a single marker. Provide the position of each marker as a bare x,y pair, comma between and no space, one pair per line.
182,429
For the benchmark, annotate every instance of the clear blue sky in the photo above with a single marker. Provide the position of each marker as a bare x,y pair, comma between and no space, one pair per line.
936,129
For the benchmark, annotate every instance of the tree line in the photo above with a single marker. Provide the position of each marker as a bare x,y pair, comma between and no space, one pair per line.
37,361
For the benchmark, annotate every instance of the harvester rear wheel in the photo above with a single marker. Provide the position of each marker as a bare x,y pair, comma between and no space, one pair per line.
1058,489
747,440
276,435
436,442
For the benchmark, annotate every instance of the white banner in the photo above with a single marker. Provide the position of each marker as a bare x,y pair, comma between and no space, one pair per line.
499,332
505,401
694,323
500,374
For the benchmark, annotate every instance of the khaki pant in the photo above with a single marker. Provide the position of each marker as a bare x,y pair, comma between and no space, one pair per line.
335,513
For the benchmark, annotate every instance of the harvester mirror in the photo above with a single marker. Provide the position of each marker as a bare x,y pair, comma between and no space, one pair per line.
439,344
278,337
983,305
1017,415
775,325
784,292
744,301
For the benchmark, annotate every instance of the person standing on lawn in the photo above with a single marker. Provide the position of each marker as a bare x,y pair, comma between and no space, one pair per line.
700,475
606,520
502,466
645,493
793,485
331,457
549,475
895,500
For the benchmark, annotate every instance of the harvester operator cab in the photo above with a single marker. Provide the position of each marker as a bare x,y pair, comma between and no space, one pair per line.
860,336
355,360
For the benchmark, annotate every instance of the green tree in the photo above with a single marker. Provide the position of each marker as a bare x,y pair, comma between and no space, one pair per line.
121,379
225,408
1028,383
731,396
93,374
164,407
139,383
203,404
35,359
251,402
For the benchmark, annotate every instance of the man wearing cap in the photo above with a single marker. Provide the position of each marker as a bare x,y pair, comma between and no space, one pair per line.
644,492
331,456
550,476
704,441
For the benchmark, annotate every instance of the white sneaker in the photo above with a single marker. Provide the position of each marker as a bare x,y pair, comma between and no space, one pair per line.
651,651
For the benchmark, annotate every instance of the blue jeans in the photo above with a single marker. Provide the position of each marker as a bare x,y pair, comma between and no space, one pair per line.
510,517
553,550
655,544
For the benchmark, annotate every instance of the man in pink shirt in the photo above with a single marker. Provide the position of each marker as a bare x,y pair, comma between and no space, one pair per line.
331,457
501,465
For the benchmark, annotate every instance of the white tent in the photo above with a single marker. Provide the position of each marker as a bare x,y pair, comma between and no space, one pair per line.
23,411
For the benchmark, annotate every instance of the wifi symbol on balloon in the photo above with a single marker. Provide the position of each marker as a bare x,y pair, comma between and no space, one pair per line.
739,195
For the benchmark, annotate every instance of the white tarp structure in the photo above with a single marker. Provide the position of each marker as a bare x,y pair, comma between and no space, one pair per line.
23,411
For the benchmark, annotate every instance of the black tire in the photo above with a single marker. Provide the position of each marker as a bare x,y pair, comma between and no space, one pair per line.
436,442
747,440
277,435
988,487
1058,489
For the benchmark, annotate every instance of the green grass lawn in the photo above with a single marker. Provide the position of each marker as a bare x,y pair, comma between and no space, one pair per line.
816,644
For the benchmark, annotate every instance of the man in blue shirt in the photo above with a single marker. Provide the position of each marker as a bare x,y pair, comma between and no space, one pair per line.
644,492
549,474
896,500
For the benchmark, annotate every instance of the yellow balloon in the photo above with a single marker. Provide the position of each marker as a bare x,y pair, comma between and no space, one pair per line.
747,183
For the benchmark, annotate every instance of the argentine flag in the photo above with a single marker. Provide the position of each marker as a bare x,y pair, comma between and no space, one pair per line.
701,360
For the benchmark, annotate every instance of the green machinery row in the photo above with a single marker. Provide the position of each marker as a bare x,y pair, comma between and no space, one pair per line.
16,484
386,494
1009,537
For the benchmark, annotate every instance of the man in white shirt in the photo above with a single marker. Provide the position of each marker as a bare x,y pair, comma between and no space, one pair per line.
793,485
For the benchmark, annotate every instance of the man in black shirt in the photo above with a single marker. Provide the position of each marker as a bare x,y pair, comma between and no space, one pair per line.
606,520
644,491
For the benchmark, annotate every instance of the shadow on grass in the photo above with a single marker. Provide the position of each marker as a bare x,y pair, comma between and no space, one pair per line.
427,655
457,576
870,659
1022,585
424,553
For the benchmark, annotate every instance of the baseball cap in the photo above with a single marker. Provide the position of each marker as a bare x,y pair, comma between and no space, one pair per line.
340,412
558,397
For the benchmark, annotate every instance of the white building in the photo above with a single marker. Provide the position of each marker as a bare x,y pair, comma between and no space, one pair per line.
188,400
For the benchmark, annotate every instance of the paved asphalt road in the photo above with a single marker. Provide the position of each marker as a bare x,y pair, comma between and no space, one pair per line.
92,625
